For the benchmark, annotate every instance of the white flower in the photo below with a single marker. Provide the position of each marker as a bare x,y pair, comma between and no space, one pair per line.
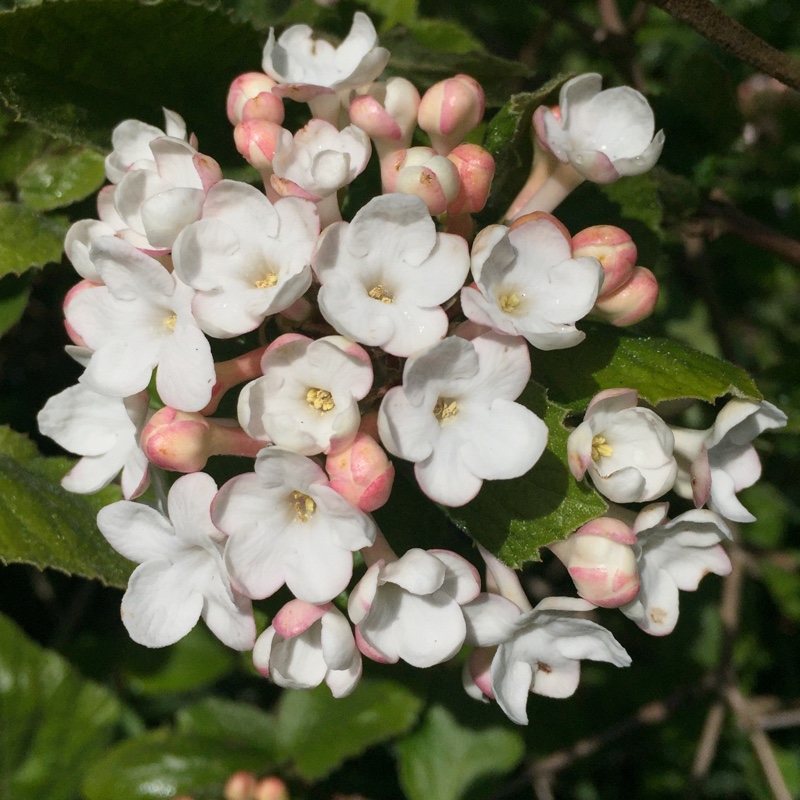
626,450
385,275
410,608
603,135
286,525
305,67
716,464
543,654
456,419
181,575
79,240
141,318
529,285
673,555
307,400
105,431
306,645
246,258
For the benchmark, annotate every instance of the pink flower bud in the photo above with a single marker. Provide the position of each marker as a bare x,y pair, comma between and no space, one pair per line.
361,473
68,298
255,140
420,171
449,110
231,373
250,97
475,169
478,667
534,215
601,562
183,441
632,302
240,786
613,248
271,788
387,113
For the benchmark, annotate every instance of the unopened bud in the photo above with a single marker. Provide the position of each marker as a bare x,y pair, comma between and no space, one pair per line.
255,139
183,441
535,215
361,473
68,298
240,786
420,171
613,248
387,113
475,169
449,110
251,97
632,302
601,562
271,788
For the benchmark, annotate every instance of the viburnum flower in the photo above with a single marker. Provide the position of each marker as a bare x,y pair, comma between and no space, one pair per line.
387,113
139,319
306,645
287,525
305,67
673,555
307,399
409,608
716,464
456,419
181,575
77,244
246,258
626,450
385,275
603,135
528,284
105,432
544,653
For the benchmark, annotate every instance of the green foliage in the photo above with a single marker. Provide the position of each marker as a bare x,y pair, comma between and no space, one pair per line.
53,723
44,525
28,238
444,759
14,293
58,179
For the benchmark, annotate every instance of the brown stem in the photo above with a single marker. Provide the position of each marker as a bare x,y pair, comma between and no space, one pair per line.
718,27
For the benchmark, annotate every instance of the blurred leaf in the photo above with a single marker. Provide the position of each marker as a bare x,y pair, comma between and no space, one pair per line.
514,518
14,293
19,145
320,732
443,759
508,139
238,723
195,661
61,177
394,12
28,239
44,525
53,723
771,510
659,369
783,582
444,36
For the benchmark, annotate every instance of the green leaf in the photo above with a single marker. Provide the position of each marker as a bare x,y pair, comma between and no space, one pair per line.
394,12
44,525
514,518
783,582
444,36
508,139
61,177
14,293
20,144
320,732
28,239
659,369
53,723
239,724
444,759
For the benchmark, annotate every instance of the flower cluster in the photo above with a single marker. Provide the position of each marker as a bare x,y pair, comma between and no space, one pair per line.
400,330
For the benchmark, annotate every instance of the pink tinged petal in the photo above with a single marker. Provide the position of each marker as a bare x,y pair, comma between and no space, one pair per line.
186,374
417,572
610,401
361,598
166,214
297,616
579,450
700,473
162,602
491,619
262,651
135,474
371,652
478,668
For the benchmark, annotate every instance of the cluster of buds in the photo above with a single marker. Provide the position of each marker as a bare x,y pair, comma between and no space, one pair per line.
375,342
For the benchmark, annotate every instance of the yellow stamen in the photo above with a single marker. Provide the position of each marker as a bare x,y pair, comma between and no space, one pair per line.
170,322
321,399
379,293
445,409
268,281
304,506
600,448
509,302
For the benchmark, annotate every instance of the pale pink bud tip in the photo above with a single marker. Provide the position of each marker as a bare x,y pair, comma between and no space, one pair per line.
271,788
240,786
449,110
632,302
534,215
255,139
250,86
476,170
613,248
361,473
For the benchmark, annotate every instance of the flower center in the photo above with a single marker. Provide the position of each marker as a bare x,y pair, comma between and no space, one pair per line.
321,399
304,506
600,448
445,408
379,293
268,281
170,322
509,302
